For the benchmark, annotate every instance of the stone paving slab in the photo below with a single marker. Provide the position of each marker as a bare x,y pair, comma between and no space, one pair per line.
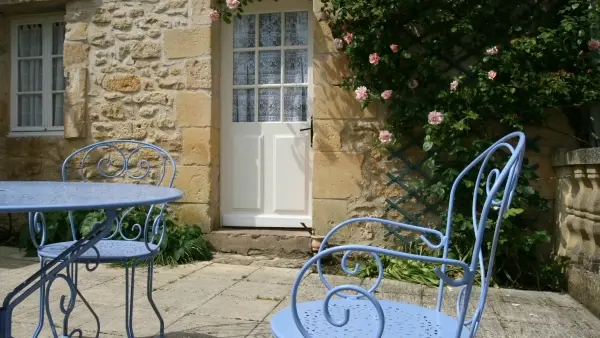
209,300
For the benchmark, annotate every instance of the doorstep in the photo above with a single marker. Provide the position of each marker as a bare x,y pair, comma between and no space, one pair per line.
291,243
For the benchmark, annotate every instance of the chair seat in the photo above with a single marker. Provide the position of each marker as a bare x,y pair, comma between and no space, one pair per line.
401,320
110,251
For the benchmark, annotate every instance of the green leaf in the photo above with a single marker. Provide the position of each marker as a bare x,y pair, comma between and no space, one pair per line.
427,146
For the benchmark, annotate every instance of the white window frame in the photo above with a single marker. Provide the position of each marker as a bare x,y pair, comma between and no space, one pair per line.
47,129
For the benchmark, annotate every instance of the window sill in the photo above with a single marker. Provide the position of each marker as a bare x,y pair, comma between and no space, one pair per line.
40,133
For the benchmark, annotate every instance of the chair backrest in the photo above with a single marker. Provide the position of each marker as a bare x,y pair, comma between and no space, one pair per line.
498,189
127,161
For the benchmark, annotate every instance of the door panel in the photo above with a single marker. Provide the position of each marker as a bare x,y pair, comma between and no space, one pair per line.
266,163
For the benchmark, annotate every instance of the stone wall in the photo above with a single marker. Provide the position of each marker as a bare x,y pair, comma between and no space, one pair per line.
137,69
578,221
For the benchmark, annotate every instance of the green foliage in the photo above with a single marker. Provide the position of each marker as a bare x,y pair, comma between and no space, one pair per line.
182,243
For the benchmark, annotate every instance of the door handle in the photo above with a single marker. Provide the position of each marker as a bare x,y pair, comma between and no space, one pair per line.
311,131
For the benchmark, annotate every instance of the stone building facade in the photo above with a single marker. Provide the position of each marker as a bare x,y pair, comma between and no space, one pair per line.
151,70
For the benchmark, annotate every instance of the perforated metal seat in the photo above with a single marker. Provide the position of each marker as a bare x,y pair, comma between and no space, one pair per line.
402,320
110,251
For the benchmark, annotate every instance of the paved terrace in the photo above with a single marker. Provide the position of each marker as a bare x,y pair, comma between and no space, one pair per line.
211,299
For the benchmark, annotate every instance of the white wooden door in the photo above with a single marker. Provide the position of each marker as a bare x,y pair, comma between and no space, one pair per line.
266,163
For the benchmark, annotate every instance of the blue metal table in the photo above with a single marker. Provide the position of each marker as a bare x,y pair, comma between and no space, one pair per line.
38,197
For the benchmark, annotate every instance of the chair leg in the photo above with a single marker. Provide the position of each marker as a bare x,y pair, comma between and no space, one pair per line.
41,315
151,300
129,291
72,272
87,305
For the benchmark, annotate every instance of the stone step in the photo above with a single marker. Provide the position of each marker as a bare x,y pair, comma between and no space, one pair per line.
262,242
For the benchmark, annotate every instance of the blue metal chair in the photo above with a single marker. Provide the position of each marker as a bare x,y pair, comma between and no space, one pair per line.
362,315
129,161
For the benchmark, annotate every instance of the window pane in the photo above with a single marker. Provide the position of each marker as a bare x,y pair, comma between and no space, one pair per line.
30,40
269,67
296,66
243,105
58,101
269,105
296,28
29,109
58,74
30,75
244,31
58,38
270,30
243,68
295,104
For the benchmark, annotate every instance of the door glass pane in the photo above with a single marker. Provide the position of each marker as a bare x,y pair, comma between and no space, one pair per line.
270,30
269,104
296,66
58,74
29,108
243,105
269,67
243,68
295,108
58,38
244,31
296,28
30,40
30,75
58,101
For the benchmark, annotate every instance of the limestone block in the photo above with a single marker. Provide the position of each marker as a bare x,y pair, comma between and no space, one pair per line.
195,182
145,50
329,67
198,73
193,109
328,213
200,10
122,24
337,175
187,42
136,13
193,214
113,111
75,103
197,145
154,98
102,16
323,41
122,83
76,53
76,31
327,135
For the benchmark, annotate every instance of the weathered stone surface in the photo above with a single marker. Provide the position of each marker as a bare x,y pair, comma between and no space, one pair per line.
198,73
154,98
145,50
122,24
122,83
337,175
197,143
76,103
77,31
113,111
328,213
285,244
336,103
187,42
76,53
189,178
193,109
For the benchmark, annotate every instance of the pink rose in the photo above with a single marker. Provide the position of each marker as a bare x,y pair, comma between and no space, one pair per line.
361,93
593,44
374,58
412,83
492,51
492,75
581,52
394,48
233,4
387,94
214,15
435,118
342,75
385,137
349,37
338,44
453,85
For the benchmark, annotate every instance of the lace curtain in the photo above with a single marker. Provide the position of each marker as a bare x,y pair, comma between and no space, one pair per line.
282,59
30,75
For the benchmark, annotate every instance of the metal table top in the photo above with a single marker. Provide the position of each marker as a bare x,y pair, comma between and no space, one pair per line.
36,196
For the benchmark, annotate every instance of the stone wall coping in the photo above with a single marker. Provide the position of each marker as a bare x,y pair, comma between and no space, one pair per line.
565,157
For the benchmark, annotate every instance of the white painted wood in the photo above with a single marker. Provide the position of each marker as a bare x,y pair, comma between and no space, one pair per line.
266,167
46,20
